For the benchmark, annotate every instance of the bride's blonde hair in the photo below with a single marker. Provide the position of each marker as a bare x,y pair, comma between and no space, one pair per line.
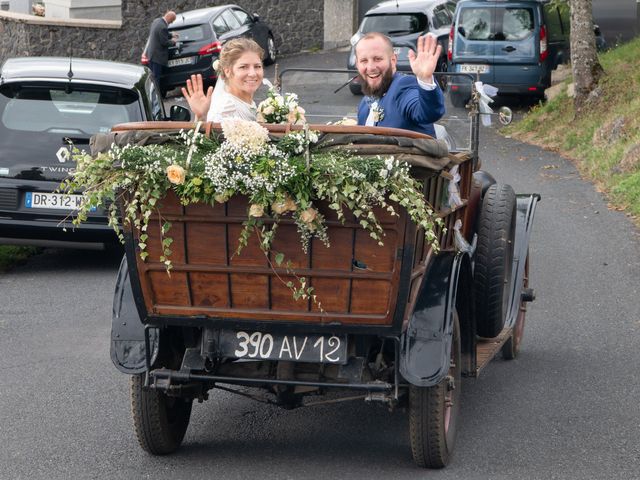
233,50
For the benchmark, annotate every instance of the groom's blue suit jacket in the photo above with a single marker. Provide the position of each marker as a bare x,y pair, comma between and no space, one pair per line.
407,105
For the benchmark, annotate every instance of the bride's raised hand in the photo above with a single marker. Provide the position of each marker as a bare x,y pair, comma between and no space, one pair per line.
199,102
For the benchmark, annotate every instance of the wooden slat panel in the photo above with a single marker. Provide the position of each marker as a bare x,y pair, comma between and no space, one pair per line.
170,290
205,210
251,255
276,315
287,241
170,205
154,242
250,291
333,294
370,297
209,289
377,258
282,296
206,243
336,257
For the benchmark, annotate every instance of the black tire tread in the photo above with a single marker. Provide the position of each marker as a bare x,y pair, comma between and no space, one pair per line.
434,449
154,432
495,229
426,418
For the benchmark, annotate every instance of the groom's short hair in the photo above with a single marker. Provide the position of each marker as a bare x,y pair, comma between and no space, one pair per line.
381,36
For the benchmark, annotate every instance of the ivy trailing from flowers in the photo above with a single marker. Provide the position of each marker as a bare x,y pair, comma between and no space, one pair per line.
273,174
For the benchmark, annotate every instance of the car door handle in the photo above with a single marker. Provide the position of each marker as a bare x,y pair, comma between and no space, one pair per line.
509,49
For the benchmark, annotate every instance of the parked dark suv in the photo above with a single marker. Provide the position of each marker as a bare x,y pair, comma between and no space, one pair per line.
403,22
201,34
46,103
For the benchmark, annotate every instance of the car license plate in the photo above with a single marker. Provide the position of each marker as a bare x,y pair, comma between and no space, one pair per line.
176,62
468,68
273,346
56,201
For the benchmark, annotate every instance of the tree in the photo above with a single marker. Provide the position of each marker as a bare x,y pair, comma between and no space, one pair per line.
585,65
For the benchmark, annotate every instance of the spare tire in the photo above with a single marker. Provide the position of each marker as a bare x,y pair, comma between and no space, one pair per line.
494,259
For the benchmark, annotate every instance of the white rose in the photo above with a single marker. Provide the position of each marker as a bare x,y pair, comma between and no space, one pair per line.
256,210
268,110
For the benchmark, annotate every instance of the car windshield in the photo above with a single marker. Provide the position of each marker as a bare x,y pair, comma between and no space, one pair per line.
496,23
58,110
394,25
327,98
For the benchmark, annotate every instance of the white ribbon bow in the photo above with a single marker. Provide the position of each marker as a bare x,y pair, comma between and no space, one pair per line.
486,92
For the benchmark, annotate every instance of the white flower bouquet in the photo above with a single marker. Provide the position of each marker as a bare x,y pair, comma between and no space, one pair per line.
277,108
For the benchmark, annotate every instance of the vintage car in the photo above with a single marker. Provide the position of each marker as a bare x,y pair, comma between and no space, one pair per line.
401,323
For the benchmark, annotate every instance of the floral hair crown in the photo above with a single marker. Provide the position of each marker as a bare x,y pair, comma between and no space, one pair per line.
216,65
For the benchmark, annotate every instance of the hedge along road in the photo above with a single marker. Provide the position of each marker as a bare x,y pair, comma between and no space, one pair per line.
566,408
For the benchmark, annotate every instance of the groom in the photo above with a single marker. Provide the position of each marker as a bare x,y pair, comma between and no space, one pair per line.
393,99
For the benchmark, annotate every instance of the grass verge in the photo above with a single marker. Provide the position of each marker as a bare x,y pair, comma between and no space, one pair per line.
604,141
10,255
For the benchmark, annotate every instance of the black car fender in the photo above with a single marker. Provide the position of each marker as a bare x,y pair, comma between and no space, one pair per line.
425,346
127,331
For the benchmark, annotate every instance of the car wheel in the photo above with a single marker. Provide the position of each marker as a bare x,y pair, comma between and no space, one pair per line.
271,51
494,259
434,412
159,421
511,348
458,100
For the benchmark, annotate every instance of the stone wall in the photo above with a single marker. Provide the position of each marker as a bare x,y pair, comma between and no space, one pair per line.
340,22
297,25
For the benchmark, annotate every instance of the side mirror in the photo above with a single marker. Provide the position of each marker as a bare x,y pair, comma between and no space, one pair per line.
179,114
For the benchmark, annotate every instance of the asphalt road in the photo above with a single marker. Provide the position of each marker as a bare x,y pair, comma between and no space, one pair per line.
567,408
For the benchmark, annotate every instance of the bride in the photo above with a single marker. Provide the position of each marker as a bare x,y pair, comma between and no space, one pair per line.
240,74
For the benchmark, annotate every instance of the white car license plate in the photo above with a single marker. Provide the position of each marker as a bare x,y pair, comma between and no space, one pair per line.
56,201
293,348
469,68
176,62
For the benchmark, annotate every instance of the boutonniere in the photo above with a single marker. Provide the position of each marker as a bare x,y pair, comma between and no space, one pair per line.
378,112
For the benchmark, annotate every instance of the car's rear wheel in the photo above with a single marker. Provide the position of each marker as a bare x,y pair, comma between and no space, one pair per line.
271,51
160,421
458,100
434,412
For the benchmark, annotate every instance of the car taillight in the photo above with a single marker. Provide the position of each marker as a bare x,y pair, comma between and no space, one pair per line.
450,46
214,47
144,60
543,43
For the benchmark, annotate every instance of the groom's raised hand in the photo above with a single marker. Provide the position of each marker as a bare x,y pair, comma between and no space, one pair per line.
425,60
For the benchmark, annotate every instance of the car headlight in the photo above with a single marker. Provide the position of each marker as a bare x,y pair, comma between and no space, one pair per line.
355,39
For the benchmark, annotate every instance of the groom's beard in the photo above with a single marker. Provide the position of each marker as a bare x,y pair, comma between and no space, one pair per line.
381,89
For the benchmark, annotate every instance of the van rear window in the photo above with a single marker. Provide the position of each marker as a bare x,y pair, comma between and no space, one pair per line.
501,23
54,109
395,25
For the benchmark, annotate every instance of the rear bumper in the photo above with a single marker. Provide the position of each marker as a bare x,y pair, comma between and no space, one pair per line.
177,77
50,232
520,79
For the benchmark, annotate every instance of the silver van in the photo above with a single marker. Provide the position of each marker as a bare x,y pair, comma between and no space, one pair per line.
511,44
